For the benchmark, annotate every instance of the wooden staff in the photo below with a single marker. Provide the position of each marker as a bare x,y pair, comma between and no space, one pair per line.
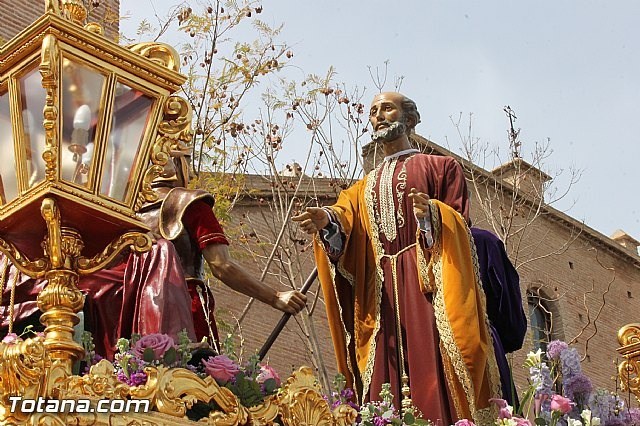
285,317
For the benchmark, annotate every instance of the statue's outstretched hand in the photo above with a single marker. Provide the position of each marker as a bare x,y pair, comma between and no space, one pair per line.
312,220
290,302
420,203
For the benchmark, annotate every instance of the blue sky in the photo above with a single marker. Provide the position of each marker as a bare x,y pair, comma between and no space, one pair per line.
570,70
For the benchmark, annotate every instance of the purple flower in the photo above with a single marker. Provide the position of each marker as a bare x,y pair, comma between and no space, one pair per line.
555,348
578,386
465,422
159,343
634,416
570,363
347,394
221,368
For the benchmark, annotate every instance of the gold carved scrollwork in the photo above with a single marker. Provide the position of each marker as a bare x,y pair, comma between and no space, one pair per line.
629,334
345,415
75,11
160,53
23,366
35,269
53,245
301,401
174,134
101,382
629,368
49,69
177,389
266,413
61,291
136,241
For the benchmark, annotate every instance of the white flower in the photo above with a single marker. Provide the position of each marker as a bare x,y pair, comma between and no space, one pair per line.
533,358
588,419
506,422
574,422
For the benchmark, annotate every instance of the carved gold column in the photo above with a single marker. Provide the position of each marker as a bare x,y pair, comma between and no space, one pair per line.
629,368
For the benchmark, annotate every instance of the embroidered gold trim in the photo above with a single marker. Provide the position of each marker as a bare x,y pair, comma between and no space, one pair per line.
400,187
387,210
369,198
443,324
450,375
492,364
347,335
485,416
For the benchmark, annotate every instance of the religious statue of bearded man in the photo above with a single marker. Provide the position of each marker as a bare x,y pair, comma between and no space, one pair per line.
395,260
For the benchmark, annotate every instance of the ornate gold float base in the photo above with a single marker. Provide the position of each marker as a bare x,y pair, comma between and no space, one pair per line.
171,392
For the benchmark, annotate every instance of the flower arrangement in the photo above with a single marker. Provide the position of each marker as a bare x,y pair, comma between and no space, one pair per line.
251,381
559,394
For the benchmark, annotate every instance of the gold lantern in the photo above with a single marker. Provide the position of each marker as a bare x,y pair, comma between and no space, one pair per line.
85,126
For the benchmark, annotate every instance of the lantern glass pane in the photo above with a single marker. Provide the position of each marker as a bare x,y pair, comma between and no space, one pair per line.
32,96
81,99
8,171
130,119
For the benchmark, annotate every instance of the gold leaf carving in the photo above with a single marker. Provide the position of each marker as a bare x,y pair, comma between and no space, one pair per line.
49,69
160,53
23,368
266,413
174,134
629,334
35,269
101,382
136,241
301,401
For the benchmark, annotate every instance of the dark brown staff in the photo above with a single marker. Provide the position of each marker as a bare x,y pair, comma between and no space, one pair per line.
285,317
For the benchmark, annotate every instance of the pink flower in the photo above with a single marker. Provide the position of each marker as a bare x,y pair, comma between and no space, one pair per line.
267,372
504,409
159,343
465,422
11,338
521,422
221,368
560,403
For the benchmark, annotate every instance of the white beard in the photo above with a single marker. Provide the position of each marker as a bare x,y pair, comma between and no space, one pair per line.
388,134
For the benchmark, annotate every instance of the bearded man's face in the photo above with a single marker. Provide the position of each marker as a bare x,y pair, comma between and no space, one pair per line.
390,131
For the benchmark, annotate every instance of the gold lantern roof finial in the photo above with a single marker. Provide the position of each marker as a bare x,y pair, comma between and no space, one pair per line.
73,10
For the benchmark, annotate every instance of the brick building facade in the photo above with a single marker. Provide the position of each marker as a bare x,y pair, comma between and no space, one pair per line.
16,15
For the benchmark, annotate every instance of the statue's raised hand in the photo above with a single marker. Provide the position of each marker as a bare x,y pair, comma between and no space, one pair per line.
312,219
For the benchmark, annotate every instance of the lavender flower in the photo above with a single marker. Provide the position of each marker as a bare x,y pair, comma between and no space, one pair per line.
570,362
555,348
541,379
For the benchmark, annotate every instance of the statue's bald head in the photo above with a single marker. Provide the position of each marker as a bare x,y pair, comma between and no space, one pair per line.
408,107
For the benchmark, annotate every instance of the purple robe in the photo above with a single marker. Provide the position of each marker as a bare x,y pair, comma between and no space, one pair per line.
501,285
